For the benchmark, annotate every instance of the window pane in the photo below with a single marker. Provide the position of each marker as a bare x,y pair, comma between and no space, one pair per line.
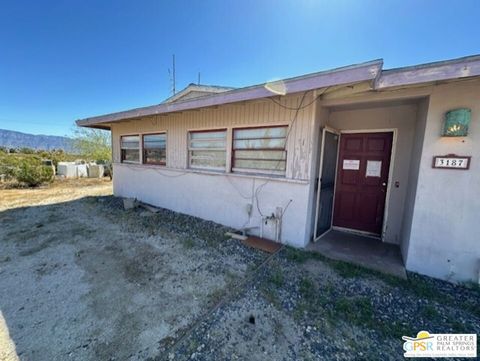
261,149
261,164
155,141
130,142
272,132
130,155
261,154
154,156
259,143
207,144
214,159
208,135
208,149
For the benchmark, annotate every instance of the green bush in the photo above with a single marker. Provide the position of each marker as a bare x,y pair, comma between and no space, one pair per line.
33,173
8,165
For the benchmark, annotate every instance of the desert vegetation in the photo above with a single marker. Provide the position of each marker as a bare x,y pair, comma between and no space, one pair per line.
27,167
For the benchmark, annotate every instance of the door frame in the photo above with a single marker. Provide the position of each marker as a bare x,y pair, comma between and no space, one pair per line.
326,128
394,132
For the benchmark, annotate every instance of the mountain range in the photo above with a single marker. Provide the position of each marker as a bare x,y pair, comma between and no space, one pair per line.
13,139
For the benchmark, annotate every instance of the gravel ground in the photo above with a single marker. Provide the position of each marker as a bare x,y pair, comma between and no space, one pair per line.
306,307
87,280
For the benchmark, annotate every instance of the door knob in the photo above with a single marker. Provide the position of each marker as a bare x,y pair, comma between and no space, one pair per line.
384,184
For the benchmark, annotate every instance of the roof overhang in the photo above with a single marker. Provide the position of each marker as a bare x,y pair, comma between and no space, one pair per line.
442,71
347,75
431,72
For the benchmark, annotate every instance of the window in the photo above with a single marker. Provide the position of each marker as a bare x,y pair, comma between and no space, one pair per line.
206,150
154,148
260,150
130,148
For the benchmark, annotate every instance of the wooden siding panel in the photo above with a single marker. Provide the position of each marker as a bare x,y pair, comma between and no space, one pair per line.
256,113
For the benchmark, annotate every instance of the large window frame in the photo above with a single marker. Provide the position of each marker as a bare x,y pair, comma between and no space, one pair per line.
205,139
260,154
144,149
124,148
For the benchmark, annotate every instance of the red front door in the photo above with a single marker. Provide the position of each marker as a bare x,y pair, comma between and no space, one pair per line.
362,177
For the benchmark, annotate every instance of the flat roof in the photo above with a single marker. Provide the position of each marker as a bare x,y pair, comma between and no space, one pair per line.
368,71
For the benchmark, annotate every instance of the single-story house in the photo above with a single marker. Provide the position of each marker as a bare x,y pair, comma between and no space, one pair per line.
391,155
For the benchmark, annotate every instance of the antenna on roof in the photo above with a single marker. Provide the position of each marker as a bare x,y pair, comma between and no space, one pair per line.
172,74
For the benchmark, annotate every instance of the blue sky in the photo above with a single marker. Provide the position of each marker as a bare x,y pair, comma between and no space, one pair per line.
68,59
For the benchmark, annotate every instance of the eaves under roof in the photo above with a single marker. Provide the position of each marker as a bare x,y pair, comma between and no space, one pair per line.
369,71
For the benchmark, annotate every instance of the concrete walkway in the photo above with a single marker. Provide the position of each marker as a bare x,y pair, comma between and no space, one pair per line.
361,250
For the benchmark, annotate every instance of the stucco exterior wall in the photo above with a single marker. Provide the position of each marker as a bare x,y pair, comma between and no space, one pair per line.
421,120
220,198
445,232
224,197
402,118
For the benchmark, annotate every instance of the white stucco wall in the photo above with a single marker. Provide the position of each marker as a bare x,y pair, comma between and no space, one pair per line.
220,198
223,197
422,111
445,232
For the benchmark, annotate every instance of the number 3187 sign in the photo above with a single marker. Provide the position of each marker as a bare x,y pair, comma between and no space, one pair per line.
451,162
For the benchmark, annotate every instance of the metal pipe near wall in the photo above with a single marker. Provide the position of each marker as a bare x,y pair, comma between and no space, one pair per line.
278,223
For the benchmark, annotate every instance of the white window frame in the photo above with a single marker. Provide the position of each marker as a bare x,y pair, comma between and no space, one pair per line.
190,149
267,172
139,148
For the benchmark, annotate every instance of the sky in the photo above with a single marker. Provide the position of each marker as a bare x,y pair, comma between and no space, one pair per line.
69,59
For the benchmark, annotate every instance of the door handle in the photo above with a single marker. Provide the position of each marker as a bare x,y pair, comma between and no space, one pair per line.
384,184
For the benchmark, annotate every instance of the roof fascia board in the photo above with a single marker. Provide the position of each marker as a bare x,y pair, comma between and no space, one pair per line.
379,96
346,75
439,71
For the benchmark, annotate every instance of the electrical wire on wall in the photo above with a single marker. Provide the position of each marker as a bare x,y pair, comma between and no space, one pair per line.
291,126
255,191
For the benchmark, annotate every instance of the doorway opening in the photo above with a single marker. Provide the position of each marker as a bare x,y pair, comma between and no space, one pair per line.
326,181
353,181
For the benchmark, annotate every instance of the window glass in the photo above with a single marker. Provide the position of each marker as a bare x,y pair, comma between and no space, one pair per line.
260,150
264,143
206,150
130,148
270,132
155,148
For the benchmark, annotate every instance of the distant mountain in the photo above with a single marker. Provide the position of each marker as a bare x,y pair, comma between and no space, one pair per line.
12,139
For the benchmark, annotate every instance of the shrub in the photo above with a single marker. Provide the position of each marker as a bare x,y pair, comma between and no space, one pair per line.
8,165
33,173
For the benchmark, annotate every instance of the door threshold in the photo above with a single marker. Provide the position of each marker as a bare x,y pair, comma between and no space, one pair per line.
357,232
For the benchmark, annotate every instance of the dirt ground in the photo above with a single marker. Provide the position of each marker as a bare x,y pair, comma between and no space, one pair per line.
60,191
83,279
